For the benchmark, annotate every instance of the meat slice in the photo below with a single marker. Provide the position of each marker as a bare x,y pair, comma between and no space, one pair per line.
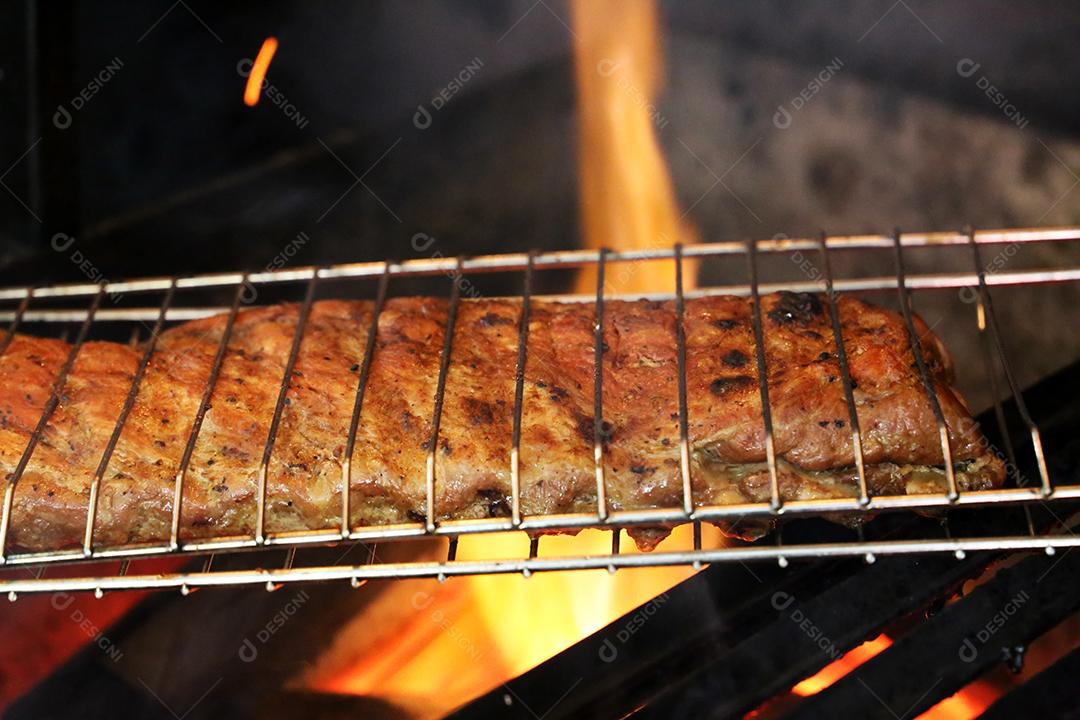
640,428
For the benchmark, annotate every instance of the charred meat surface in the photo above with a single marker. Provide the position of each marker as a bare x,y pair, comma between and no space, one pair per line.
639,428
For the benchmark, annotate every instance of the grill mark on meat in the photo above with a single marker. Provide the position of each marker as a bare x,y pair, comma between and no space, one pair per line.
735,358
727,385
795,308
586,428
479,412
492,319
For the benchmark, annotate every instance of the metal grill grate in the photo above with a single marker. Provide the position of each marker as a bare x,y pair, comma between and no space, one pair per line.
528,264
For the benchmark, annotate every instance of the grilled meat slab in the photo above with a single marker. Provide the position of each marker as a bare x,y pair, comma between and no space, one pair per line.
640,428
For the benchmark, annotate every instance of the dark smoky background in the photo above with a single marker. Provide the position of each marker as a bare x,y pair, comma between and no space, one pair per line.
408,129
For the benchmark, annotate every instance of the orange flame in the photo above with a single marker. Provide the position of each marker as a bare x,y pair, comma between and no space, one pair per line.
472,634
967,704
253,89
627,199
456,640
841,666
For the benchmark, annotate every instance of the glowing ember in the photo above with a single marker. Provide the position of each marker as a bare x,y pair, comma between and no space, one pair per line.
253,89
967,704
842,666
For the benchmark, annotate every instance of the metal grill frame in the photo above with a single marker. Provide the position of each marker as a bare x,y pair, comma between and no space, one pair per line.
605,519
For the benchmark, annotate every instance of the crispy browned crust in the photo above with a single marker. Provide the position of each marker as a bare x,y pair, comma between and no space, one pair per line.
810,417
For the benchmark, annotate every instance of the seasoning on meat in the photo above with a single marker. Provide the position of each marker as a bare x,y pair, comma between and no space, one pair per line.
639,426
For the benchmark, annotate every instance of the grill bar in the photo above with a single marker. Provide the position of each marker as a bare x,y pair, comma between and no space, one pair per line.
775,502
440,392
358,404
16,320
1010,497
951,281
988,303
684,416
534,564
519,397
200,414
279,408
129,403
598,390
548,260
991,372
47,412
904,295
845,374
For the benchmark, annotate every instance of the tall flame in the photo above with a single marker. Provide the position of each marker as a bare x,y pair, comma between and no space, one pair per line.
627,199
471,634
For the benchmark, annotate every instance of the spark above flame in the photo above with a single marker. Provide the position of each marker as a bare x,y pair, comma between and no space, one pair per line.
253,89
